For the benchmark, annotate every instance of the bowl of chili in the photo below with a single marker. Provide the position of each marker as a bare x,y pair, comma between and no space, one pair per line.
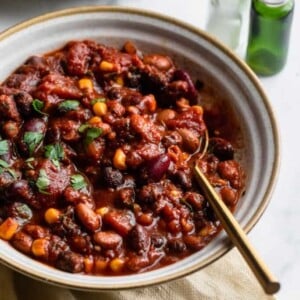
104,113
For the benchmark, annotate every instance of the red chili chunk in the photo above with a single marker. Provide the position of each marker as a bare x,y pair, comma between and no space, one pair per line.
97,147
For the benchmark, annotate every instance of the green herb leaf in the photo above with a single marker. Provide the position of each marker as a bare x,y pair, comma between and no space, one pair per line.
3,164
54,151
38,105
83,128
3,147
78,182
91,134
12,173
43,182
32,140
68,105
98,100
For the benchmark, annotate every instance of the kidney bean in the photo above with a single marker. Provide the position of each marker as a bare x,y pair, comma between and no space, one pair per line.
192,92
158,166
70,262
22,242
108,239
88,217
36,231
139,239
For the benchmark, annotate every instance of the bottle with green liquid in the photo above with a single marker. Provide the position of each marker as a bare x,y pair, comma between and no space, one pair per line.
269,35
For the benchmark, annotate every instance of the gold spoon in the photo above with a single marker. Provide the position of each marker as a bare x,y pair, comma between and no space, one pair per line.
269,283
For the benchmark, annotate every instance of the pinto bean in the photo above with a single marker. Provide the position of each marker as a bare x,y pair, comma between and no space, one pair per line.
108,239
88,217
121,221
161,62
229,195
190,140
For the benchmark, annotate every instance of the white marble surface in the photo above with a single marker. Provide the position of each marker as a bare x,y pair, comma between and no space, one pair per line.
276,236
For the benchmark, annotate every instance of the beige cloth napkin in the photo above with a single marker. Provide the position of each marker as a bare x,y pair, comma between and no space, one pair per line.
228,278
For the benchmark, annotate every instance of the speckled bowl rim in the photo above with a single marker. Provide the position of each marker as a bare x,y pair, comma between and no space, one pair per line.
251,76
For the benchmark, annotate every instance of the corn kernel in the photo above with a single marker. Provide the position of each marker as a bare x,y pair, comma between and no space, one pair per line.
100,265
102,211
198,109
52,215
106,66
100,109
120,81
119,160
85,84
117,264
94,120
88,264
8,228
39,247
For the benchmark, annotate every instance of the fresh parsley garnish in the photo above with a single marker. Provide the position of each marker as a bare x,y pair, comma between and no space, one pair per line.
43,182
4,147
83,127
3,164
32,140
98,100
38,105
91,133
54,151
4,167
68,105
78,182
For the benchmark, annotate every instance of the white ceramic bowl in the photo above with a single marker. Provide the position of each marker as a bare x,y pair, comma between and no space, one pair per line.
204,58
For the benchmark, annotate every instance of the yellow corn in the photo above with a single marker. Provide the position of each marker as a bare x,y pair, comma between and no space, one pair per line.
120,81
106,66
52,215
198,109
94,120
102,211
100,265
8,228
117,264
119,160
85,84
39,247
100,109
88,264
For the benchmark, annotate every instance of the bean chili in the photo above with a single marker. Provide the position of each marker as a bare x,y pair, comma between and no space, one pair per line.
97,147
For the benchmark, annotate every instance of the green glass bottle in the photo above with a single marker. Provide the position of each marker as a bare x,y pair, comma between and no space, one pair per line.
270,25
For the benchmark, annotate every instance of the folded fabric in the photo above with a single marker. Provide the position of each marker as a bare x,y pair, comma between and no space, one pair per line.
228,278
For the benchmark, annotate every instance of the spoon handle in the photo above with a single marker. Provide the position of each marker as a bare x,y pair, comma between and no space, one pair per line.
269,283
